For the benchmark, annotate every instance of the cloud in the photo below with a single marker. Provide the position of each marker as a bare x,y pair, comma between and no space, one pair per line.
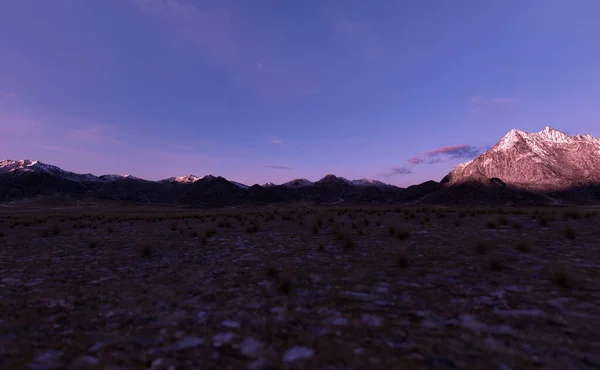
278,167
493,106
400,171
446,153
95,134
7,95
277,141
360,34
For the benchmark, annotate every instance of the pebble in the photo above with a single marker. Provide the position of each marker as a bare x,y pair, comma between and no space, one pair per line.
371,320
298,353
251,347
231,324
188,342
222,339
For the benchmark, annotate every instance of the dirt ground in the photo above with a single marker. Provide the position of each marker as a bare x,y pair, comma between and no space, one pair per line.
299,288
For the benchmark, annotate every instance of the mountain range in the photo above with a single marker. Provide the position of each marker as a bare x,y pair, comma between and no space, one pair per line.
522,168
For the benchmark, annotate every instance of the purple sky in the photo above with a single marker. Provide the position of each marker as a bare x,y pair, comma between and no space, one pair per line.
256,91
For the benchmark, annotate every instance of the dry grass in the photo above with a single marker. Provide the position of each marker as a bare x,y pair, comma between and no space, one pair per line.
369,286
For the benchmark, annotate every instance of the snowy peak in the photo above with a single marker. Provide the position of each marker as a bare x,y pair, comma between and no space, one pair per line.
550,134
116,177
268,185
187,179
297,183
545,160
26,165
368,182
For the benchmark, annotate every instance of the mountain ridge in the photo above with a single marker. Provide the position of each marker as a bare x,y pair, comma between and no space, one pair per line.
545,167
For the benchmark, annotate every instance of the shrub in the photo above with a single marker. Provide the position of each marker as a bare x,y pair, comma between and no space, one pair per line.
349,243
146,251
561,277
1,234
495,265
482,247
174,225
517,225
490,225
403,234
570,233
286,286
92,245
392,230
402,261
523,246
272,272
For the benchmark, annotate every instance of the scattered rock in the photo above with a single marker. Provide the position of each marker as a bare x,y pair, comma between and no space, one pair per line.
298,353
371,320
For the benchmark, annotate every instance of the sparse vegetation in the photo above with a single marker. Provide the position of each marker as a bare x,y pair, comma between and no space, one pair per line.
313,275
570,233
495,265
524,246
146,251
482,247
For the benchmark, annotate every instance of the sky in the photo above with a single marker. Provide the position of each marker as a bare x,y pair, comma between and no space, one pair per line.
265,90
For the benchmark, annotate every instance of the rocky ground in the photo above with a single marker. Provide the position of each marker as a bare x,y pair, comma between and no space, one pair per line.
300,288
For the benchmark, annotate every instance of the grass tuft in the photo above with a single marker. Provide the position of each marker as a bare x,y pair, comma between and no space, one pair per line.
570,233
482,247
495,265
146,251
524,246
286,286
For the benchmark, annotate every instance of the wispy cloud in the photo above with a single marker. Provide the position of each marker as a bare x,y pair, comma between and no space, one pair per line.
276,167
7,95
360,34
277,141
398,171
97,134
500,106
446,153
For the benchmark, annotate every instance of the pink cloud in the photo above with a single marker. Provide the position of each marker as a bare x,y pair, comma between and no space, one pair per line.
462,151
7,95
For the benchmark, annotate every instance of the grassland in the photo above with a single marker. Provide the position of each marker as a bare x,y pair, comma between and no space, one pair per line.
299,287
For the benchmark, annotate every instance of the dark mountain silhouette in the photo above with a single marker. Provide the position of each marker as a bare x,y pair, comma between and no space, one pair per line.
547,167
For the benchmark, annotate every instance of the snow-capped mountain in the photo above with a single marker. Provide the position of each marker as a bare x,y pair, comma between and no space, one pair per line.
297,183
268,185
548,160
370,182
28,166
110,178
187,179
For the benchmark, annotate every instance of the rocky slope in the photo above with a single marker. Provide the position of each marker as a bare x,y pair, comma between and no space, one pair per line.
546,161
